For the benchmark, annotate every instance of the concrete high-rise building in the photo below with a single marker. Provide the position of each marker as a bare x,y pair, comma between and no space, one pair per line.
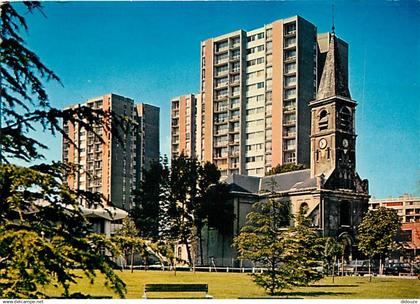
183,125
112,166
255,91
256,87
148,144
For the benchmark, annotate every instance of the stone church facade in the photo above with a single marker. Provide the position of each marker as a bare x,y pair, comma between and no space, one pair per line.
331,191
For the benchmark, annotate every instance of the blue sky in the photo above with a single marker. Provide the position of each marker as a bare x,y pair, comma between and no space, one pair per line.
149,51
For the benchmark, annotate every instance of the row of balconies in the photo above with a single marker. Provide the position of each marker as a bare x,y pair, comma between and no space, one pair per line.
289,109
226,83
226,60
289,148
289,134
227,47
289,122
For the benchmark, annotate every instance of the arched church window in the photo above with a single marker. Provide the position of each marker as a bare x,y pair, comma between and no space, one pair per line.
345,214
345,118
317,155
323,120
328,153
304,207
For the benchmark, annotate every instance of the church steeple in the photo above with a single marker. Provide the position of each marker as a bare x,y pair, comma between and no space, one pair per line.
334,79
333,137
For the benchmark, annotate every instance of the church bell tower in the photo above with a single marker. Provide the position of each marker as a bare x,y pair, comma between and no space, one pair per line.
333,137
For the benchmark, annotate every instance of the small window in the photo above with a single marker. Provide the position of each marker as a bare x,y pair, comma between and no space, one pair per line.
323,120
345,118
304,207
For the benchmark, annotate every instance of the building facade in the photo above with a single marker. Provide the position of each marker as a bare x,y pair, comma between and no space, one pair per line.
148,143
332,193
253,111
111,166
256,87
183,125
408,208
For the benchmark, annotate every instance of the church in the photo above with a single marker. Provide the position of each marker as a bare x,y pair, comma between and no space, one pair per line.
334,196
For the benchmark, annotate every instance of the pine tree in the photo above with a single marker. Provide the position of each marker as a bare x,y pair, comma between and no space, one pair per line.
44,235
290,254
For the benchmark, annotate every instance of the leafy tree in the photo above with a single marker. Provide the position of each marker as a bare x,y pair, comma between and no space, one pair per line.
44,235
332,250
285,168
304,250
182,197
213,208
219,211
180,201
262,241
290,255
128,241
377,234
147,200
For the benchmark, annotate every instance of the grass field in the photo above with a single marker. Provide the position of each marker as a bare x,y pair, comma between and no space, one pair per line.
239,285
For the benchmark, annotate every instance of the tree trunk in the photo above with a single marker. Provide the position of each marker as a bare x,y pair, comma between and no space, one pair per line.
223,247
342,265
333,270
380,266
188,251
132,258
370,276
200,241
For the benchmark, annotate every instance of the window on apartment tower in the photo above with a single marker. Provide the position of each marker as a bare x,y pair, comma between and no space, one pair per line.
291,67
236,54
269,46
235,41
290,28
260,85
290,54
222,45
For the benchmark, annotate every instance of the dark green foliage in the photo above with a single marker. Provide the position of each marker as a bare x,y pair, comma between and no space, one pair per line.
262,241
176,202
378,233
147,210
289,254
304,250
44,235
332,250
219,210
285,168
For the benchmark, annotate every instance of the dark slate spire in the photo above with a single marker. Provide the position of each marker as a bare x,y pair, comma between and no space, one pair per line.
334,80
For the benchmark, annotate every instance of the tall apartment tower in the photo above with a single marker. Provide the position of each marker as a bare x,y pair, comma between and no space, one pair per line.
111,166
148,145
256,87
183,125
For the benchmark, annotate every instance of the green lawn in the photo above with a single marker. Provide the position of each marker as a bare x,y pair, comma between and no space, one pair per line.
239,285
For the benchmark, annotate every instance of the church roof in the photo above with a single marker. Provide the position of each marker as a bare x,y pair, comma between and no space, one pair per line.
288,181
334,79
294,180
243,183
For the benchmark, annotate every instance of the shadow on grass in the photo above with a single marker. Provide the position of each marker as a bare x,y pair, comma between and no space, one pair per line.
335,285
312,293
